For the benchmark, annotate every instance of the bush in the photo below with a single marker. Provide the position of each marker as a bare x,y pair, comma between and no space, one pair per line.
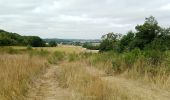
131,57
154,57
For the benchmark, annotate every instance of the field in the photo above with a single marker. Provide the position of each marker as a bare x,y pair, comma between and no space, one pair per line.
62,48
74,73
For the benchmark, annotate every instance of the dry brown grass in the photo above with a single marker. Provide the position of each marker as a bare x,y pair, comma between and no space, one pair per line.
75,76
16,73
141,70
18,69
61,48
157,77
84,80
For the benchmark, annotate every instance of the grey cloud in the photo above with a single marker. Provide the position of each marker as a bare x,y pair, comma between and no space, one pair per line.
79,18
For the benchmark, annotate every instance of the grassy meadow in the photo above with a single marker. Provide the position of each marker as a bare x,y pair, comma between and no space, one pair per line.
80,71
62,48
20,66
145,68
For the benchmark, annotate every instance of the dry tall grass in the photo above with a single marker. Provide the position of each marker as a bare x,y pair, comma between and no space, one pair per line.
16,73
141,69
153,75
75,76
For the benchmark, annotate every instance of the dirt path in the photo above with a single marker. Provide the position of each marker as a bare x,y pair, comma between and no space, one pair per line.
135,89
47,88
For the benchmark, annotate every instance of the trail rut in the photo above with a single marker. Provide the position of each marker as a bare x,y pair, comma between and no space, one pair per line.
47,88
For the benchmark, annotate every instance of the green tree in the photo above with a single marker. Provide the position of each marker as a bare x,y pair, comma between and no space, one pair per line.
52,44
161,42
125,41
8,39
34,41
146,33
109,42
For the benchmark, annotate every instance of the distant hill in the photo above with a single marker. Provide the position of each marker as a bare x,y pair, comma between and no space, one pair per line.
14,39
11,39
69,41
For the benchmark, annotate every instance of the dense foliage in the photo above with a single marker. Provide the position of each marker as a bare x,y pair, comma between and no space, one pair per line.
90,46
52,44
149,36
109,42
9,39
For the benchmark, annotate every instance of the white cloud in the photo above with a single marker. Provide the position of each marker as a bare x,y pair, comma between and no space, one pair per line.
37,10
165,7
113,25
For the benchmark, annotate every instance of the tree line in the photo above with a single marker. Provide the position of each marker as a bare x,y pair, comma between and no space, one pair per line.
148,36
14,39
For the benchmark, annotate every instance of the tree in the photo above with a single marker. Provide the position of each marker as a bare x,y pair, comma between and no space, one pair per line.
77,43
109,42
52,44
125,41
162,41
34,41
8,39
146,33
111,36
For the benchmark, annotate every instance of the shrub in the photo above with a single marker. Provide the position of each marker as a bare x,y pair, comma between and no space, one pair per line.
154,57
131,57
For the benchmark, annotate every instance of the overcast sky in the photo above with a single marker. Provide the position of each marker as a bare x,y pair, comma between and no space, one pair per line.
87,19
